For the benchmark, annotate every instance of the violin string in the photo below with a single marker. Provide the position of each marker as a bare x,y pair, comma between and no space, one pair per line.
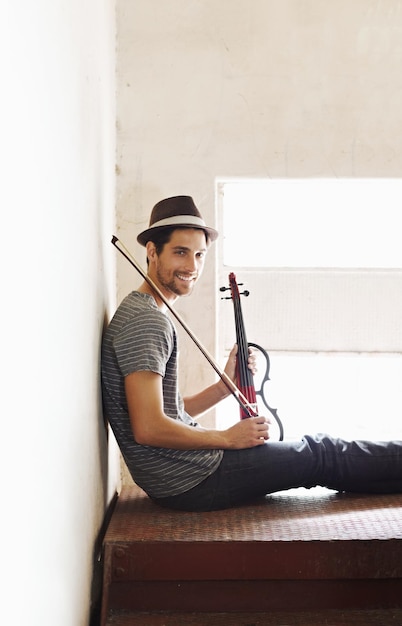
243,371
243,347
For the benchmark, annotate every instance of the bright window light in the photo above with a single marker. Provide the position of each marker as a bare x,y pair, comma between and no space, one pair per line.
351,229
318,223
353,396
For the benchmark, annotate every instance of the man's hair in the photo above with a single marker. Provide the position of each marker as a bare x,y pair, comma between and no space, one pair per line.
161,237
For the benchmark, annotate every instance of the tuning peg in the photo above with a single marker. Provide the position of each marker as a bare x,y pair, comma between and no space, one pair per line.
227,288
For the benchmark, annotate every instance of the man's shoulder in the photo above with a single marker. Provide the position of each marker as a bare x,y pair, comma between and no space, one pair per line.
137,304
140,310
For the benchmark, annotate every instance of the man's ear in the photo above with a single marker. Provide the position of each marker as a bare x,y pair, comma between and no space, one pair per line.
151,250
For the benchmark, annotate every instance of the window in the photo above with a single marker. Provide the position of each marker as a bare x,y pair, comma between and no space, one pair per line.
326,223
322,261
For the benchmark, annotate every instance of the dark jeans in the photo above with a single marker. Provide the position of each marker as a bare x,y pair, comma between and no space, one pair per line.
244,475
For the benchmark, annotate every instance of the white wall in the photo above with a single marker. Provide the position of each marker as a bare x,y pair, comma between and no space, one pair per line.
267,88
57,116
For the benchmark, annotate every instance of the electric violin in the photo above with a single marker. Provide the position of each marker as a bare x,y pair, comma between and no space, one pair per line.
244,376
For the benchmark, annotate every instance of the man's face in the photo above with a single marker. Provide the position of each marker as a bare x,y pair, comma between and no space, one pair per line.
180,263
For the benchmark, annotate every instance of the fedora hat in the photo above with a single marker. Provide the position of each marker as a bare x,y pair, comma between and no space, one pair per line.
175,212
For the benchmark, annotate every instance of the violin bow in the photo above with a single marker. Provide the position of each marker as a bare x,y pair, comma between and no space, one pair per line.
241,399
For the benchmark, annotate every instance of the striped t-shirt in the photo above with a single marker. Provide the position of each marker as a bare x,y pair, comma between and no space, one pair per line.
142,338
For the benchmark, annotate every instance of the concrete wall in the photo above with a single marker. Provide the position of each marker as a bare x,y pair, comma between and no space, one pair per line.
57,117
267,88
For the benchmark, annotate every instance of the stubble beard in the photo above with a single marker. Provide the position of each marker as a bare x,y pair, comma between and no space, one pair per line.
173,285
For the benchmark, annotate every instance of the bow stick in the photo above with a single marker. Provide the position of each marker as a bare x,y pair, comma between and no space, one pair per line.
241,399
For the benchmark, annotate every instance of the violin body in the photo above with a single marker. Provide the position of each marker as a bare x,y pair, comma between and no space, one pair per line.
260,392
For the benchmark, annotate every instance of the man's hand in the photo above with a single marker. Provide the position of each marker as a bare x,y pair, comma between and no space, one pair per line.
230,368
247,433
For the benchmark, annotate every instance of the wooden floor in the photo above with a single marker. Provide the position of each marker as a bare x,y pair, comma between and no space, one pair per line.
298,555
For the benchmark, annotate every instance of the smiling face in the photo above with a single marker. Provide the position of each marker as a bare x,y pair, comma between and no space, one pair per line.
179,264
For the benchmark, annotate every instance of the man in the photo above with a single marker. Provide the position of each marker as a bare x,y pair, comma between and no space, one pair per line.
177,462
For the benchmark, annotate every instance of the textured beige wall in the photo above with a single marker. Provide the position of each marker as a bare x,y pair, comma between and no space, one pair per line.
260,89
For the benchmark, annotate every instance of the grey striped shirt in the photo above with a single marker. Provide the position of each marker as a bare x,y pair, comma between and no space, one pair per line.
142,338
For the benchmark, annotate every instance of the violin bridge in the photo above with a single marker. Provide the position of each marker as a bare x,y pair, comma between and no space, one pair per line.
254,407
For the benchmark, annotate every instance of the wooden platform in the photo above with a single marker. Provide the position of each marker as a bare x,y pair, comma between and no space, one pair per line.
384,617
303,551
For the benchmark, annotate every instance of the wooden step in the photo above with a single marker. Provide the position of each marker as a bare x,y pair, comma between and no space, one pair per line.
300,550
384,617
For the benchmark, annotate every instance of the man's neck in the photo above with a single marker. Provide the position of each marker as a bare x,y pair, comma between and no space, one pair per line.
146,288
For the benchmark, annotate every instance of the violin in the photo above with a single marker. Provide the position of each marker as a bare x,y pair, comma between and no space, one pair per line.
244,376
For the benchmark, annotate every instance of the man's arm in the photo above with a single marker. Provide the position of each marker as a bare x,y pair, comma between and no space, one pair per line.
200,402
152,427
203,401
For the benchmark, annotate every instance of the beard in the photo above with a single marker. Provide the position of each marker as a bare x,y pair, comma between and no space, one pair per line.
173,284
